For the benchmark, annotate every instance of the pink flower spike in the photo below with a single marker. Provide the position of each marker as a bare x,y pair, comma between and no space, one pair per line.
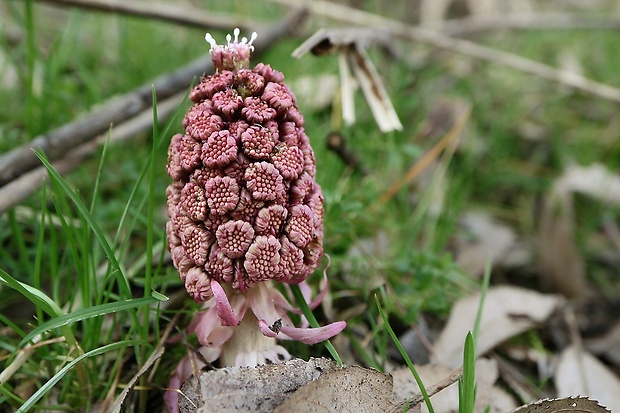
313,335
224,309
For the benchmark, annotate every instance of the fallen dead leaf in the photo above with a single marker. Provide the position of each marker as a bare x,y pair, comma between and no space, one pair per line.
569,404
607,345
594,181
580,373
562,265
250,389
487,239
350,389
507,311
447,400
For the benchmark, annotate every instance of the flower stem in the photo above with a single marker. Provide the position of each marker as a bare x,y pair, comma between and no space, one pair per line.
247,338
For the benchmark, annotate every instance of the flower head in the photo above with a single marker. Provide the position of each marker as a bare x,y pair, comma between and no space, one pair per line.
245,210
234,55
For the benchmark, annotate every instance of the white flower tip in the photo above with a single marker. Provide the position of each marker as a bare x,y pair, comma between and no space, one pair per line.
252,38
210,40
231,42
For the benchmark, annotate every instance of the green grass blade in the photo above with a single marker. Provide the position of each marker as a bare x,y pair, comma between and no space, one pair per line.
17,329
148,273
404,354
123,284
307,312
40,299
10,398
91,312
37,297
486,279
18,238
58,376
145,170
40,248
467,382
97,184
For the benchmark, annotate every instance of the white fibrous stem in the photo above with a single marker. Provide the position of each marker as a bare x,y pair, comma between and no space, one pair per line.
249,347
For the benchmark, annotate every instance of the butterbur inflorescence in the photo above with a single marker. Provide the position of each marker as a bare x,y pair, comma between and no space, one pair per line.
244,206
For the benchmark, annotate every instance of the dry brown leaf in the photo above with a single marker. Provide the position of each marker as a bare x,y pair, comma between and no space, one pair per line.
491,239
447,400
350,389
594,181
569,404
607,345
250,389
580,373
507,312
562,265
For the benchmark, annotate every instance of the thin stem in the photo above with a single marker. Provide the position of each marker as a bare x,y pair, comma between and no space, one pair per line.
403,353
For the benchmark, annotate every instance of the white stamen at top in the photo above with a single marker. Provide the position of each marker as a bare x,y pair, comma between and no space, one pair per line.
210,40
229,40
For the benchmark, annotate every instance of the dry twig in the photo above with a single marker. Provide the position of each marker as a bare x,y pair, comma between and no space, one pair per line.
157,353
527,21
26,184
432,390
168,12
451,137
357,17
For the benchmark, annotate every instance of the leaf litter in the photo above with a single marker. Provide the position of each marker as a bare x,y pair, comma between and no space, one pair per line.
508,311
579,372
320,386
